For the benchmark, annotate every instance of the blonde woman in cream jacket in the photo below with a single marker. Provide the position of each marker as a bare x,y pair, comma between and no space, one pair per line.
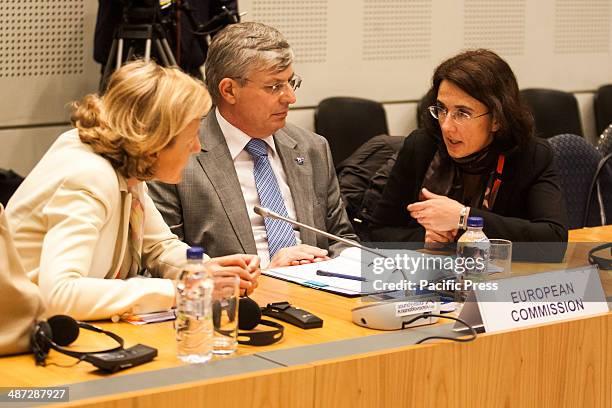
70,218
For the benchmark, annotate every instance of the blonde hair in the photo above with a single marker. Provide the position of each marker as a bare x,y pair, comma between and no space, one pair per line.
144,108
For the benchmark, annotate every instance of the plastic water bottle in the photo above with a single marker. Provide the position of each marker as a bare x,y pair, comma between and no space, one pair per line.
472,253
194,325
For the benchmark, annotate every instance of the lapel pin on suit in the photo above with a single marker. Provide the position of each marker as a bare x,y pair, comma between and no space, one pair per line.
299,160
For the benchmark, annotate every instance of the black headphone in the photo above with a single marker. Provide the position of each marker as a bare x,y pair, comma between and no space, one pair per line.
602,263
60,331
249,316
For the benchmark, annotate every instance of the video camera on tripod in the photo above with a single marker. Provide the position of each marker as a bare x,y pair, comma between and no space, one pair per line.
144,26
146,11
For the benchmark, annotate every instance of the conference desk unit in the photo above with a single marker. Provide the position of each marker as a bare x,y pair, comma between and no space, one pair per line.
563,364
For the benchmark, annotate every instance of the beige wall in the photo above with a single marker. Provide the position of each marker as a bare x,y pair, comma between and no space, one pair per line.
377,49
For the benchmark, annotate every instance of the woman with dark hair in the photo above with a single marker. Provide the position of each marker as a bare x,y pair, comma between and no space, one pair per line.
476,156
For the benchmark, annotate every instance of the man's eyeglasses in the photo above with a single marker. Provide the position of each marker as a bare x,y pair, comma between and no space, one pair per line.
278,89
459,117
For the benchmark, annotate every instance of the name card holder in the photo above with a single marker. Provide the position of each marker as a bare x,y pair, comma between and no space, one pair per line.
534,299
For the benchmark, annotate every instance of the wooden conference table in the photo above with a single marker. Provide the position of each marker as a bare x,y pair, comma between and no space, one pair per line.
566,364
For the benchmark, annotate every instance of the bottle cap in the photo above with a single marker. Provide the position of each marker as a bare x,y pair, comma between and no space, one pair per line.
195,252
475,222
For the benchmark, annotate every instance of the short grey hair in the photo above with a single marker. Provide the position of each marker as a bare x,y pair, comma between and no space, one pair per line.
240,49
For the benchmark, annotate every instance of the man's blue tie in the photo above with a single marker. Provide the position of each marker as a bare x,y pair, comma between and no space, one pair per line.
280,233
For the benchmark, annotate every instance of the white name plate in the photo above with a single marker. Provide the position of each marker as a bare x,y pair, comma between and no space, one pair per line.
545,297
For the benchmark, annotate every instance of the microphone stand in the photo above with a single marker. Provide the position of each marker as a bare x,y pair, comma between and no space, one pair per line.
264,212
377,315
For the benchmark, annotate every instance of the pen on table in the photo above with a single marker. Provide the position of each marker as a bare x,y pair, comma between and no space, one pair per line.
340,275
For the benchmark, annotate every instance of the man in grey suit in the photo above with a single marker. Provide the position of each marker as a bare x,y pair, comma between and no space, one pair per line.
250,156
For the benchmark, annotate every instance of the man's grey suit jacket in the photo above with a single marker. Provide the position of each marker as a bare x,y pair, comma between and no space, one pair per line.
207,207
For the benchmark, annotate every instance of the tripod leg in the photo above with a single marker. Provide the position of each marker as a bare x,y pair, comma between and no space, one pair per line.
169,52
147,55
130,53
119,53
162,53
108,70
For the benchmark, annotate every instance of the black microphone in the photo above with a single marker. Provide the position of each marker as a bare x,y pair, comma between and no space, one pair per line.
594,182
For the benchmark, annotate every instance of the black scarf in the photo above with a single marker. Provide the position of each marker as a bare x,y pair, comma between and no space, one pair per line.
468,180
